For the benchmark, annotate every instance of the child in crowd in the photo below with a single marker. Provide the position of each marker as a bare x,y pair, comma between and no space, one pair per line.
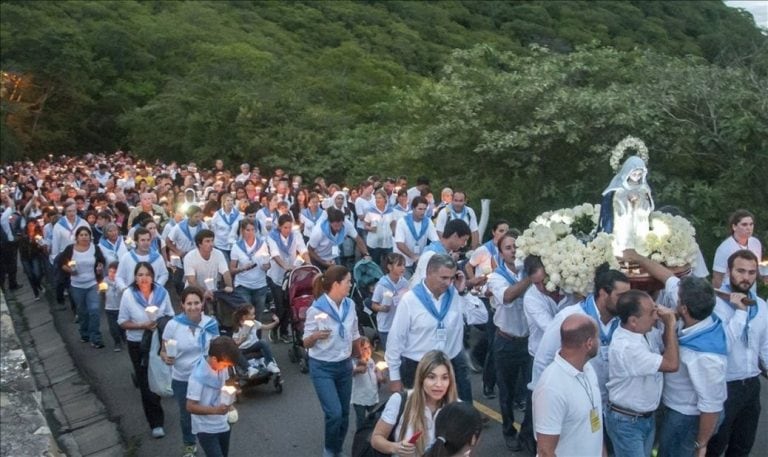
204,397
112,307
365,382
246,328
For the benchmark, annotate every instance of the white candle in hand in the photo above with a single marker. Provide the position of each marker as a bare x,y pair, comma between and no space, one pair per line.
171,348
248,323
321,319
228,395
208,283
381,366
151,311
387,298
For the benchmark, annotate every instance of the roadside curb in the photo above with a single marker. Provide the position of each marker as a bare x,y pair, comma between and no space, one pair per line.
75,416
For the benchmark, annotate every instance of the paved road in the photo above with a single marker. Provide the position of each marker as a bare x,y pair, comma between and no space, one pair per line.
287,424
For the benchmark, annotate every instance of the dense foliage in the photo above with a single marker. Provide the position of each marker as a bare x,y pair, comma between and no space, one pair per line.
517,101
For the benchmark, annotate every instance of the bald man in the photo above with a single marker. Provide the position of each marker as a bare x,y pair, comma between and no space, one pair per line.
567,407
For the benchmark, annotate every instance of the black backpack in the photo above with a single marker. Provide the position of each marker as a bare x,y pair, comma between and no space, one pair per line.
361,444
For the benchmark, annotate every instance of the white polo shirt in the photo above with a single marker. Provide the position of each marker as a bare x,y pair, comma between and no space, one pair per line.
225,232
403,235
335,348
256,277
540,309
634,379
562,402
698,386
467,216
324,246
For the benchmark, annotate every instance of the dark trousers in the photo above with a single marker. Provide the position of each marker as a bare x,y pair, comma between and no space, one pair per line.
150,401
512,358
282,307
483,350
9,254
33,268
117,333
214,444
742,413
460,369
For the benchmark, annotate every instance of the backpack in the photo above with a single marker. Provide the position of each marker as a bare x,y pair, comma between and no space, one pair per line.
361,444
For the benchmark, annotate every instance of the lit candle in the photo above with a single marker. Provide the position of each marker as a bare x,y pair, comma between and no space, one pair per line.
388,298
487,271
170,348
208,283
129,241
207,219
175,259
103,287
72,264
228,395
381,366
321,318
248,323
156,217
38,238
151,311
296,227
298,262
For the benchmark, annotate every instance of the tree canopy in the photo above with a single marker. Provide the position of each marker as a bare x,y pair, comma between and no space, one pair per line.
519,101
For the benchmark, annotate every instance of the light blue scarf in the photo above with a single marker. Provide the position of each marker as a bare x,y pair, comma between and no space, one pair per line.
590,307
425,297
324,305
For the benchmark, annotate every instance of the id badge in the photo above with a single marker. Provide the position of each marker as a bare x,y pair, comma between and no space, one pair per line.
417,249
441,335
604,353
594,420
335,251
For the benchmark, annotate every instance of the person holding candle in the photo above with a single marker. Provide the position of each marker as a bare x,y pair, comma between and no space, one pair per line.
311,214
142,253
288,249
328,236
433,389
224,225
378,223
140,306
112,245
249,264
185,342
246,328
112,295
330,334
268,214
365,382
84,263
209,400
387,294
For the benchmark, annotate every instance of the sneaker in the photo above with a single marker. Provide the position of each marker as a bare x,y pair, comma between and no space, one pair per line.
84,340
286,339
97,345
117,349
272,368
252,372
189,451
158,432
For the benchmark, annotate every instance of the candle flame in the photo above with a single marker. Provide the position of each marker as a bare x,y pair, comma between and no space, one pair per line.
381,366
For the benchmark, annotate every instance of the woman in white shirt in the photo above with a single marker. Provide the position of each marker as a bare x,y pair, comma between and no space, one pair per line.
434,387
387,294
191,332
330,334
84,262
377,223
143,302
249,264
224,225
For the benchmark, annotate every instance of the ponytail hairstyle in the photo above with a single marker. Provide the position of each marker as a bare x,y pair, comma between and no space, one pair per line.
392,259
323,282
457,425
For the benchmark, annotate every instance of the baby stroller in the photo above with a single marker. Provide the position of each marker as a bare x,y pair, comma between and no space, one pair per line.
300,298
365,275
225,304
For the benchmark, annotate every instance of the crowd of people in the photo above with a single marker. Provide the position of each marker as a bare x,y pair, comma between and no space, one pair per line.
617,372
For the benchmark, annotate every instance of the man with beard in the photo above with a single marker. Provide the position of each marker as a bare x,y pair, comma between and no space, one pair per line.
567,407
746,319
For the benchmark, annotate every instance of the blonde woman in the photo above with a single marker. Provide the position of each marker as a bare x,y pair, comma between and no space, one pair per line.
434,387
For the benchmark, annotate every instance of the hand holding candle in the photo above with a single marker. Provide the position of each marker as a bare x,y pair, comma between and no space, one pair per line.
151,311
103,287
171,349
209,283
228,395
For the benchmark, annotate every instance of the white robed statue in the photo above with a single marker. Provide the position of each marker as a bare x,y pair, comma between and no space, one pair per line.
627,205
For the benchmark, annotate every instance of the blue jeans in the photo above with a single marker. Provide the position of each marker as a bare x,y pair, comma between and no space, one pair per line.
214,444
88,308
255,297
185,419
383,339
631,436
333,384
33,268
118,334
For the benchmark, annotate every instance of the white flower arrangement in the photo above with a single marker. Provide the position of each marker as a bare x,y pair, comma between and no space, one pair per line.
571,251
629,142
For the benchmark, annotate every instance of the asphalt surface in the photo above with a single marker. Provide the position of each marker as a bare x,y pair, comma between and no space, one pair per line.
270,423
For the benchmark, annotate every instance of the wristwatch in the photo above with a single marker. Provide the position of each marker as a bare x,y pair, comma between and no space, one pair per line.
464,292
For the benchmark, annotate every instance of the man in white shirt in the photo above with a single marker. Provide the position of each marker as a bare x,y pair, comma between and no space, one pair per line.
412,233
362,203
567,407
202,266
510,344
327,237
458,210
143,253
747,329
635,367
431,316
451,241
